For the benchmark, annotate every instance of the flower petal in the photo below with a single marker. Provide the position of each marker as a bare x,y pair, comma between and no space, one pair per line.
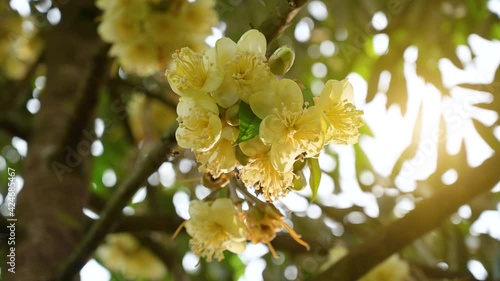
225,49
236,247
215,71
272,129
227,94
336,91
289,95
253,147
282,155
262,104
253,41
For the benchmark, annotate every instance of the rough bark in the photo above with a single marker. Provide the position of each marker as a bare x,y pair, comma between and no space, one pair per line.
57,169
112,213
428,214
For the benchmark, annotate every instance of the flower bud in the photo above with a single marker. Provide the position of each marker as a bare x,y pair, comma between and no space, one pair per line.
240,156
299,182
231,115
282,60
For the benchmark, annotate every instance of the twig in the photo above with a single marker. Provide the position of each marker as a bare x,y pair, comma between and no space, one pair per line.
116,95
283,16
241,188
427,215
165,223
113,210
130,86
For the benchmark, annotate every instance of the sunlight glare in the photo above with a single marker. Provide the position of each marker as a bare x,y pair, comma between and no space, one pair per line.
93,271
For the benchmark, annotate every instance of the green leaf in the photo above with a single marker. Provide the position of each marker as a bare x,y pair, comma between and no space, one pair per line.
315,177
366,130
249,123
308,97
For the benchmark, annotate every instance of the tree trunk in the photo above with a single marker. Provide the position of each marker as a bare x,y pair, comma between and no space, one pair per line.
57,168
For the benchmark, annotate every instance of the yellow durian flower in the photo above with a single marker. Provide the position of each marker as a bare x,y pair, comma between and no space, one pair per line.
20,44
199,123
246,70
215,227
123,253
145,33
221,157
260,173
194,71
336,101
287,126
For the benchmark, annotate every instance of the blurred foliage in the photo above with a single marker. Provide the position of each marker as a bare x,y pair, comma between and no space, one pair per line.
350,28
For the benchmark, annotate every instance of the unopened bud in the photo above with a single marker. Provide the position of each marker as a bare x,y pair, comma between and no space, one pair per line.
299,182
282,60
231,115
240,156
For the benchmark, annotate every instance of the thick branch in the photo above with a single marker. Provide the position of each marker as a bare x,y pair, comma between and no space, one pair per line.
113,210
427,215
276,23
87,100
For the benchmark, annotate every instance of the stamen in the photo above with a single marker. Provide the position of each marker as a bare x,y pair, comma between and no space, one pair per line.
178,230
271,249
296,236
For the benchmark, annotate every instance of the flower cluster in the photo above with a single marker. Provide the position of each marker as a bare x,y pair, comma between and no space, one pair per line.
124,254
144,33
216,226
234,112
19,45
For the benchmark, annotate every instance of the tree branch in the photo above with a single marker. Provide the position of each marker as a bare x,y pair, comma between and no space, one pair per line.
113,210
427,215
148,223
277,22
116,94
127,85
87,100
19,87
